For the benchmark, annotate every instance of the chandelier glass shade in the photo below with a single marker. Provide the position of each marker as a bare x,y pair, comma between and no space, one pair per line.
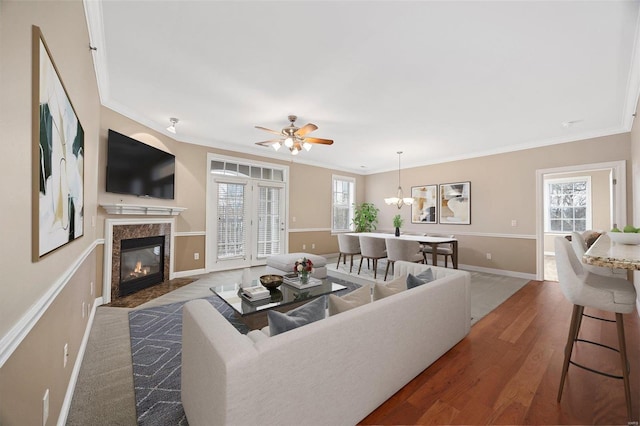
399,200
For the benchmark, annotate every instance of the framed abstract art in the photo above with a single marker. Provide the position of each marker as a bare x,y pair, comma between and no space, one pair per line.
455,203
58,157
425,205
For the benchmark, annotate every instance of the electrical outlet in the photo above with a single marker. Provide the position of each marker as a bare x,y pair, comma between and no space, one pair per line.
293,219
65,355
196,256
514,222
313,245
45,407
304,247
82,309
488,256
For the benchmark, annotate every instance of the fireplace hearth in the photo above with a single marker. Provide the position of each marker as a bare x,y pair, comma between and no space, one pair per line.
141,263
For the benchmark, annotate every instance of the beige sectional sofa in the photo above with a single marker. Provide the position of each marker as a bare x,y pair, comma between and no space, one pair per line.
331,372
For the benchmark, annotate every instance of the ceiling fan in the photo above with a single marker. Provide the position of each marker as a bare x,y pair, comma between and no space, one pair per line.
294,138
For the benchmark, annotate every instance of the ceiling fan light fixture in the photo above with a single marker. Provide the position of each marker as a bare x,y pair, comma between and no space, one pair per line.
172,126
307,146
276,146
288,142
294,151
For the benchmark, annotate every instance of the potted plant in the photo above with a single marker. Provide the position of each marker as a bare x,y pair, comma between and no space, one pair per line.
365,217
397,223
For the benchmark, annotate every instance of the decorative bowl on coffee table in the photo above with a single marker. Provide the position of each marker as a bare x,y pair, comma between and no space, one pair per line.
271,281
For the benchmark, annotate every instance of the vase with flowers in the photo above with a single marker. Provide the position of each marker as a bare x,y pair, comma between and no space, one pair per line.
304,268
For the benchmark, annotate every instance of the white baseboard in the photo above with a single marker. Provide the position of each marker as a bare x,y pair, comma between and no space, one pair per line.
183,274
66,404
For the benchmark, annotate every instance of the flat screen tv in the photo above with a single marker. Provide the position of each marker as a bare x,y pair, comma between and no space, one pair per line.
136,168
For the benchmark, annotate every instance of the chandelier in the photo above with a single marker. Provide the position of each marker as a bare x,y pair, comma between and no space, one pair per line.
399,200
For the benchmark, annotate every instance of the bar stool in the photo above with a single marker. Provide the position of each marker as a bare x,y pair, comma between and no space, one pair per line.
585,289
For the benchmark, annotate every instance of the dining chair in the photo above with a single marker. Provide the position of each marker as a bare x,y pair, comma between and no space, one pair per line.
349,245
445,249
398,249
372,248
588,290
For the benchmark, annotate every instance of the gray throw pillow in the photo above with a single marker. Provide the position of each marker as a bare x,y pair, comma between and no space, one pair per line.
305,314
421,278
357,297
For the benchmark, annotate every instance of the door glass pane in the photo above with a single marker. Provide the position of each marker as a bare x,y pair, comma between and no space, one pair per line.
231,229
269,221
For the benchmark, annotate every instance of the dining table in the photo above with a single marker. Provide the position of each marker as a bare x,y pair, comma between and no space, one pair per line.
607,253
422,239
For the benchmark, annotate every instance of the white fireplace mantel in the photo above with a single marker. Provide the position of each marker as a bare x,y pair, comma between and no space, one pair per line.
142,209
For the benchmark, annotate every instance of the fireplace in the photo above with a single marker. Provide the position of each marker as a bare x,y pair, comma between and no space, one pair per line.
141,263
148,241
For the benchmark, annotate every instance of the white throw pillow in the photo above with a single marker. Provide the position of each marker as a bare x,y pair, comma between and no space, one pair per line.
356,298
380,291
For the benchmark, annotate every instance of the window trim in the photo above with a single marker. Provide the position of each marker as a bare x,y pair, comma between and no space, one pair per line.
548,183
352,182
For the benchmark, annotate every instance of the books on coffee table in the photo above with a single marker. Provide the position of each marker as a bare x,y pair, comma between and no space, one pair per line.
256,293
295,282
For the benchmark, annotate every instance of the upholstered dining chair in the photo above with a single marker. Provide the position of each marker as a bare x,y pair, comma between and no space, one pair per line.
445,250
588,290
372,248
579,246
349,245
398,249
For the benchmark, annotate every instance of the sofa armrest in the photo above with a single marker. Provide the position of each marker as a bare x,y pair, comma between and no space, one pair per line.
212,350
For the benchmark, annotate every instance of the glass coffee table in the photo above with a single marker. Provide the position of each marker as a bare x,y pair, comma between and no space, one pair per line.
283,299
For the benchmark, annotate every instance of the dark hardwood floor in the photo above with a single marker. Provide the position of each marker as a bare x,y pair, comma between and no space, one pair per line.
507,370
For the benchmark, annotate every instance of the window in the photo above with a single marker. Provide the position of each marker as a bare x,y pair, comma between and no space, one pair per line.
568,204
344,189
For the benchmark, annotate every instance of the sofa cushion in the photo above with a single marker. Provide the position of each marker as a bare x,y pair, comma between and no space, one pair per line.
380,291
417,280
305,314
358,297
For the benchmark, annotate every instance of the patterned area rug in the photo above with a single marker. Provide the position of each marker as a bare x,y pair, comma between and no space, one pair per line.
156,350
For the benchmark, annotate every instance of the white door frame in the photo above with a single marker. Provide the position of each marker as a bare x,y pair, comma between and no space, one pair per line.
210,204
618,195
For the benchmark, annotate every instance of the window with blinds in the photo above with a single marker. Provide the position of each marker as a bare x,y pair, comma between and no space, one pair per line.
342,203
231,220
269,221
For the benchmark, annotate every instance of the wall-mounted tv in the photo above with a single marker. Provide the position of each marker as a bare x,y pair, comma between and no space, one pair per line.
136,168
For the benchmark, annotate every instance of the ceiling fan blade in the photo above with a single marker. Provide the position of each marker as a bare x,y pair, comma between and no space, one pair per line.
319,140
269,142
275,132
307,128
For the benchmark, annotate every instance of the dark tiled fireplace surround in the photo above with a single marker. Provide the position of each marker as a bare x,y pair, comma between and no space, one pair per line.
123,232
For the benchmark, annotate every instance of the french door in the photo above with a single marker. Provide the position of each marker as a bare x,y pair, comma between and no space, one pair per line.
246,221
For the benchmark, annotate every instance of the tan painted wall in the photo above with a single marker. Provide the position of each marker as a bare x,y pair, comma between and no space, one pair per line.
309,188
325,243
600,201
502,188
185,247
37,362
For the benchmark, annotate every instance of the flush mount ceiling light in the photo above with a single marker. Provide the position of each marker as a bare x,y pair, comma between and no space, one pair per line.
399,200
172,127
